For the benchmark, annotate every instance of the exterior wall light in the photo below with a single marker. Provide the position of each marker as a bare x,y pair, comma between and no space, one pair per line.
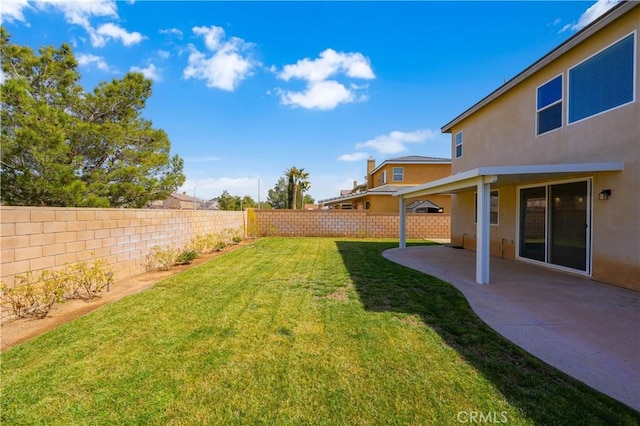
605,194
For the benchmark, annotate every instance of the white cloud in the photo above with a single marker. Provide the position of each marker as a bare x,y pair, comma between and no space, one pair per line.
150,72
395,142
78,13
590,15
323,95
212,36
172,31
163,54
323,91
227,66
86,59
329,63
112,31
356,156
11,10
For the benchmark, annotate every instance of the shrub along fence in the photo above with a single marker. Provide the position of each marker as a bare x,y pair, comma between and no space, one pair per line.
49,238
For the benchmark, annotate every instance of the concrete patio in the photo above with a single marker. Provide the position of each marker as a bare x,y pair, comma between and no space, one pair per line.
587,329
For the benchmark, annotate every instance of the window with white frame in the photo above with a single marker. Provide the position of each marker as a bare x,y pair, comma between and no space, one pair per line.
458,144
384,176
549,106
398,174
494,204
604,81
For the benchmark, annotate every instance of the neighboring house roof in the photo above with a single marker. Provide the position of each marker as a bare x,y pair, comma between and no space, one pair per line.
380,190
614,13
413,159
419,206
182,197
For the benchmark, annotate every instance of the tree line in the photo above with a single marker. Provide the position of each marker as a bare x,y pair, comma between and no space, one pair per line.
288,193
62,146
65,147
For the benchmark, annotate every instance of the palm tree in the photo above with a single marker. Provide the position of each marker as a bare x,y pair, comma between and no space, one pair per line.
303,186
298,182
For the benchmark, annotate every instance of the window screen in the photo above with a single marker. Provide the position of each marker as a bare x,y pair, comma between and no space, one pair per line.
603,81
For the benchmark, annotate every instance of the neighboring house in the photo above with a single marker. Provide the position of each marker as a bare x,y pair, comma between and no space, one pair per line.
376,194
546,169
212,204
176,201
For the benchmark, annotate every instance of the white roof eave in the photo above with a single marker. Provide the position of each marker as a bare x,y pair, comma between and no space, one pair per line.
493,174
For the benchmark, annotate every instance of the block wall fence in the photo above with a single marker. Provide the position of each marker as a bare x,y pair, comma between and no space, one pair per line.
48,238
38,238
349,223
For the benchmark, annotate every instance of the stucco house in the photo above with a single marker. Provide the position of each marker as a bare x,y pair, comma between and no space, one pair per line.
546,169
177,201
376,193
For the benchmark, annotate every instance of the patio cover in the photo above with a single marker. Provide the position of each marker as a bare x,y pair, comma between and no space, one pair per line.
482,178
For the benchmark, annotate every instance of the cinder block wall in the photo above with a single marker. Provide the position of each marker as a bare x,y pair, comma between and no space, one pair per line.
349,223
37,238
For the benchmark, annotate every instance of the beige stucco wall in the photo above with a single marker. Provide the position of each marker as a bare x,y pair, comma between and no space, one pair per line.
503,133
39,238
414,174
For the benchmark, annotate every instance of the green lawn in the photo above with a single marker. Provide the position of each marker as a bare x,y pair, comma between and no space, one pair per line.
290,331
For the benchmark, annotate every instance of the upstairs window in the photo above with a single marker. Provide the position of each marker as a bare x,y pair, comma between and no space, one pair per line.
384,177
602,82
458,144
398,174
549,106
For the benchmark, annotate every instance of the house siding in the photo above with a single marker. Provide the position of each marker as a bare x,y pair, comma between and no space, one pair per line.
503,133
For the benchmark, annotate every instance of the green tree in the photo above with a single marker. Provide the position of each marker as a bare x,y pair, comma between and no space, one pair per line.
64,147
234,202
301,197
308,199
248,202
277,197
298,182
228,201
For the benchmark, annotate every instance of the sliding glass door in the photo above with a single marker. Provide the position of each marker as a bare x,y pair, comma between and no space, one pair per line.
533,220
555,224
568,225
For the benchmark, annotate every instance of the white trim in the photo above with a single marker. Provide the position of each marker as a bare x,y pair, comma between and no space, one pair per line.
603,21
456,144
559,101
589,240
635,70
468,179
483,233
393,174
403,223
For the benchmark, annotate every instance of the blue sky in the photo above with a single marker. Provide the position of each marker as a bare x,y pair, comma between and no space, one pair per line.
246,90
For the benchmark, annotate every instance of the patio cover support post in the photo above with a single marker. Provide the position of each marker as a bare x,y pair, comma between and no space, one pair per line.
483,232
403,224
